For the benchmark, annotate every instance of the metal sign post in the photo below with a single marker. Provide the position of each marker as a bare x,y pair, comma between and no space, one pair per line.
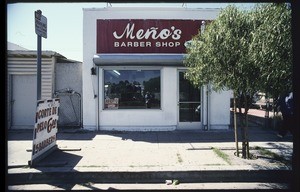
39,67
41,31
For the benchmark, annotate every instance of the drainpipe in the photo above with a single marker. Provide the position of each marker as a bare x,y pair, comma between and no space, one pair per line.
207,107
207,127
97,100
203,107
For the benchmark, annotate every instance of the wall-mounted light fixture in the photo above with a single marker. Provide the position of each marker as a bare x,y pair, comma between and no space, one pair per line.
93,71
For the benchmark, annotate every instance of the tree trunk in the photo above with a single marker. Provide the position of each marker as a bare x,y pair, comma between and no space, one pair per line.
235,124
245,149
267,111
239,102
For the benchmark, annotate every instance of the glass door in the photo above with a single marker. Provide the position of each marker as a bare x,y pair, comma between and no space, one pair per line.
189,104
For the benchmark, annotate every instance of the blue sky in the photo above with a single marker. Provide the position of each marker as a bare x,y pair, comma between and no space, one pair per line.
64,23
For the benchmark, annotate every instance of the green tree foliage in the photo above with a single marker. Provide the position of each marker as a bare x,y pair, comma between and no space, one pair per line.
271,47
220,54
245,51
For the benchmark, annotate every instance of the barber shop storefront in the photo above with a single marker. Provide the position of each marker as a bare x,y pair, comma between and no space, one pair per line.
133,72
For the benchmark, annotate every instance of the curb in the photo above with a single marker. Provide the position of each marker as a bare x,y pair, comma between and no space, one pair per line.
208,176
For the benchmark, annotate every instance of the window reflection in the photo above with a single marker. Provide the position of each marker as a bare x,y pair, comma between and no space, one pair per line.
132,89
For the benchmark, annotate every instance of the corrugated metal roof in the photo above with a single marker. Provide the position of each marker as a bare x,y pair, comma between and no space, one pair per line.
45,54
32,53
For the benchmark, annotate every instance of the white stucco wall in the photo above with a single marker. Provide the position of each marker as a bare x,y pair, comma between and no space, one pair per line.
220,109
167,117
68,75
89,82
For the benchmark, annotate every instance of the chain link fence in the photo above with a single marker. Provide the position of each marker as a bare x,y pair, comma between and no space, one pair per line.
70,108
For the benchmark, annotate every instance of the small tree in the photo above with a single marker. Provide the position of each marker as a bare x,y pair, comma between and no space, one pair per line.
244,51
220,56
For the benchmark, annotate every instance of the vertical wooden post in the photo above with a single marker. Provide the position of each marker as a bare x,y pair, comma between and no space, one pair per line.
235,124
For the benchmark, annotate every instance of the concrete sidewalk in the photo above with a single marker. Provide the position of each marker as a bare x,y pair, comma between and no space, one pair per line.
151,157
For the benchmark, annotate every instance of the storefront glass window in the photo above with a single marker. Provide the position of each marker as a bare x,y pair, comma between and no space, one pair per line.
132,89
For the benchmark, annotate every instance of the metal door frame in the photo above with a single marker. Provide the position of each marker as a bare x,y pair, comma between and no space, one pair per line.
188,125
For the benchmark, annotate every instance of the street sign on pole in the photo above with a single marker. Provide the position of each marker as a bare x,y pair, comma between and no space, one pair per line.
45,129
40,24
41,31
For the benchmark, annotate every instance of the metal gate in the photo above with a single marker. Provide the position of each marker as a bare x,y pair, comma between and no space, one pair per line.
70,114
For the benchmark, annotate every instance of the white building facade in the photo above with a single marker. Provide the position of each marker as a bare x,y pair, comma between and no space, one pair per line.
133,72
